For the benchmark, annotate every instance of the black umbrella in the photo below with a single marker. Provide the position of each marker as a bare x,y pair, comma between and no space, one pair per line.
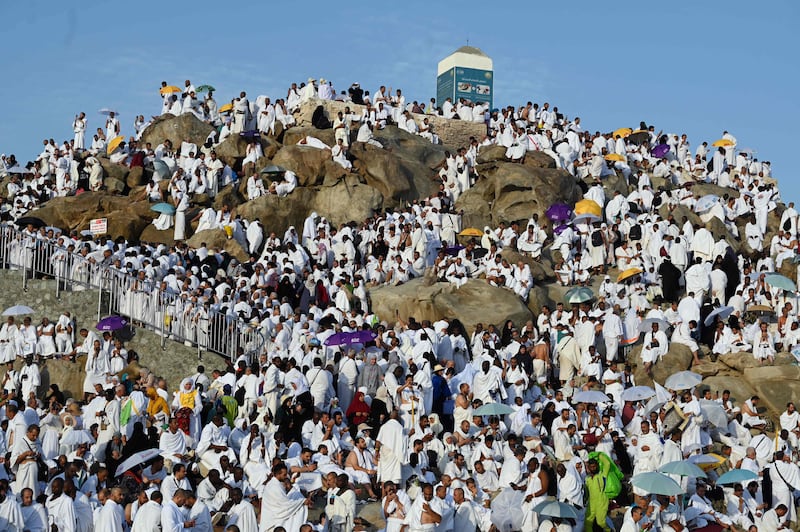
639,138
30,220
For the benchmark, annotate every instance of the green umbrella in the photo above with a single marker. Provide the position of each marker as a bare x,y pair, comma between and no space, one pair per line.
204,88
736,475
780,281
683,469
493,409
656,484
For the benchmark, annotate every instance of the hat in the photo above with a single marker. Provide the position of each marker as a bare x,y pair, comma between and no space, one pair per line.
311,80
363,426
322,80
437,367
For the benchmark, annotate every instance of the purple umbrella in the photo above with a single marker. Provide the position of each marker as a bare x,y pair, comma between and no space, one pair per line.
660,150
558,212
112,323
350,338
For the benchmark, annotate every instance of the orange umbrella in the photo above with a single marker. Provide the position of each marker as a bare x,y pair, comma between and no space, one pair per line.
114,144
587,206
225,108
627,274
170,89
722,143
614,157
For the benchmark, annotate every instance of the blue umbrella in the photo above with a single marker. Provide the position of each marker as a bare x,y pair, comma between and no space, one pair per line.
558,212
579,294
780,281
660,150
112,323
161,168
656,484
736,476
722,312
555,509
350,338
164,208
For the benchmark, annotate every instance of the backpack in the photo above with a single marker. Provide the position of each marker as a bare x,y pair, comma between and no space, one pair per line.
766,488
635,232
597,239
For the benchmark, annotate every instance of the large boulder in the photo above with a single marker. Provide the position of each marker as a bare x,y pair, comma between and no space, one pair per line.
514,192
155,236
233,150
398,178
229,196
177,129
293,135
311,165
411,147
475,302
678,358
114,170
114,185
137,177
348,200
126,218
497,153
775,385
217,238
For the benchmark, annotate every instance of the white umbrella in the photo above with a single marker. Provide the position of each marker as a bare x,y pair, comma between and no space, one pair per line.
18,310
137,459
706,202
714,413
77,437
590,396
507,511
106,111
638,393
683,380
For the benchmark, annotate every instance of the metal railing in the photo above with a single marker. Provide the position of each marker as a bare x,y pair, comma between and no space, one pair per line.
173,316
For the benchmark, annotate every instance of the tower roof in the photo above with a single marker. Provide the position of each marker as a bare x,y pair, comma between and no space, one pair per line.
471,50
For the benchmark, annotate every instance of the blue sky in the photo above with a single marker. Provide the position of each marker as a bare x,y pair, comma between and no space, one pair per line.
686,67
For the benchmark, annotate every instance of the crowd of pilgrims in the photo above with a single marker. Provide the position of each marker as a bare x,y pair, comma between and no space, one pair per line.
266,443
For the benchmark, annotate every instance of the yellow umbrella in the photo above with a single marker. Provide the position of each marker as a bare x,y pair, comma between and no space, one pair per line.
614,157
622,132
587,206
114,144
471,231
225,108
705,466
627,274
722,143
170,89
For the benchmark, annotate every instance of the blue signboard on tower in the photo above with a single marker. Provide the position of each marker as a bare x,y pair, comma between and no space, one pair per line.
469,83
